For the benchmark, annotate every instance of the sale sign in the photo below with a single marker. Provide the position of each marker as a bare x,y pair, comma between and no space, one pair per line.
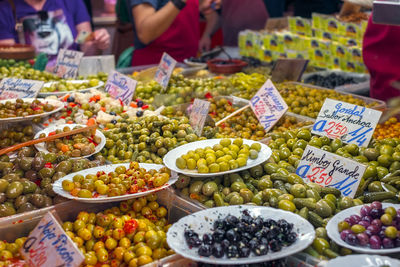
268,105
198,115
11,88
351,123
165,69
121,87
330,170
67,64
49,246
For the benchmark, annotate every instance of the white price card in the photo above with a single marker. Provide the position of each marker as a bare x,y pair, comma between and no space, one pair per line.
268,105
49,246
67,64
121,87
11,88
165,69
330,170
351,123
198,115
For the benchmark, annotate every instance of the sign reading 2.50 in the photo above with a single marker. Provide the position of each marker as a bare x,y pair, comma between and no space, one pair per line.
351,123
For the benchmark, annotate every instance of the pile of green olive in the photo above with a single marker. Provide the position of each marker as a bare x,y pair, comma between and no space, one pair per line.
24,72
181,90
15,135
247,85
21,108
77,145
26,182
308,101
101,76
148,139
13,63
65,86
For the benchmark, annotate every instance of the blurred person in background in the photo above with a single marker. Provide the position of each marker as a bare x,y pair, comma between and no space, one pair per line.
236,16
50,25
167,26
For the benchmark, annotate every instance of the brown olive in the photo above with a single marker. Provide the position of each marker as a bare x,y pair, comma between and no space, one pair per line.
26,207
38,200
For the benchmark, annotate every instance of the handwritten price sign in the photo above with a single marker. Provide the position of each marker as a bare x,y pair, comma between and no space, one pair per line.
330,170
49,246
198,115
11,88
351,123
121,87
268,105
68,63
164,71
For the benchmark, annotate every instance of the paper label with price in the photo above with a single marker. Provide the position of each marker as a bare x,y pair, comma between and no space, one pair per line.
198,115
11,88
268,105
49,246
330,170
351,123
165,69
121,87
67,64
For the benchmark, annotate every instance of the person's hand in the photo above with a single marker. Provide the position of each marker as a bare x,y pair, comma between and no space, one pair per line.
101,39
205,43
208,6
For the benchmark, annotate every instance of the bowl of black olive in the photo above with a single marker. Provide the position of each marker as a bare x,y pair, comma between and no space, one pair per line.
240,234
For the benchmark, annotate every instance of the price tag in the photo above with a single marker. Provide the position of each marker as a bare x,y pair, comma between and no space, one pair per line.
351,123
268,105
330,170
164,71
11,88
198,115
68,63
49,246
121,87
288,70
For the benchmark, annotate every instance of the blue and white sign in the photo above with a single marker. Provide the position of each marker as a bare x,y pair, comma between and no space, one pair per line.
165,69
67,64
268,105
330,170
11,88
121,87
351,123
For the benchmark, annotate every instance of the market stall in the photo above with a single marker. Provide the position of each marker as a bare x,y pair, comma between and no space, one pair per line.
201,165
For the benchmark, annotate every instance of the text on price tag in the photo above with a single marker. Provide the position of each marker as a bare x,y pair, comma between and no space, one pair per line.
198,115
330,170
351,123
121,87
268,105
11,88
49,246
67,64
165,69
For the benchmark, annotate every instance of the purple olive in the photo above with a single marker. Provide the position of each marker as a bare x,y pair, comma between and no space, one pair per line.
375,242
376,205
377,222
373,228
365,210
376,213
363,239
398,212
367,218
344,234
351,239
368,233
355,218
387,243
381,234
364,223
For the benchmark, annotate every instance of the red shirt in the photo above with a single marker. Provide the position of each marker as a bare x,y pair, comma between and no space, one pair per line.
381,53
180,40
